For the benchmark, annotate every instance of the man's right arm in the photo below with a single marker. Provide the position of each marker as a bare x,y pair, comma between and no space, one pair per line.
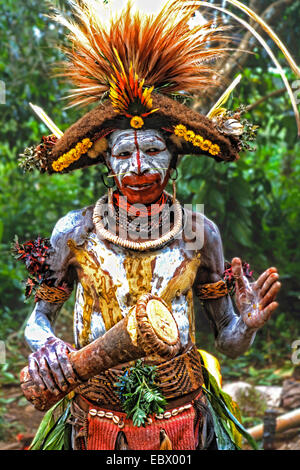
39,327
49,364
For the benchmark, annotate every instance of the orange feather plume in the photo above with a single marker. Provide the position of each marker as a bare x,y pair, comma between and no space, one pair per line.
127,94
136,50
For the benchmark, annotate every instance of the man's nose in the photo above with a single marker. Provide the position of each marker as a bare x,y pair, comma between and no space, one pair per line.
138,162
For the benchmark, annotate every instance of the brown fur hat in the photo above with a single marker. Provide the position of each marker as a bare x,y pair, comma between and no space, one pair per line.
102,120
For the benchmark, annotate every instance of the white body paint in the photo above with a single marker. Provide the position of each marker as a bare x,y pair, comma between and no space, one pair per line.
168,273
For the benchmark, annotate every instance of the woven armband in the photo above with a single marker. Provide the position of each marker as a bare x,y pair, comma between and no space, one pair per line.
213,290
225,286
54,295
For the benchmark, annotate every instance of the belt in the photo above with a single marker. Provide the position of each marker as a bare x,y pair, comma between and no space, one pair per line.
180,377
98,428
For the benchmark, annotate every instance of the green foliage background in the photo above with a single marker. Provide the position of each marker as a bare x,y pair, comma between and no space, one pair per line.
255,202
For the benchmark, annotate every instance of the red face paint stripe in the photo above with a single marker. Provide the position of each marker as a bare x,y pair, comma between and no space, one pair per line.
138,157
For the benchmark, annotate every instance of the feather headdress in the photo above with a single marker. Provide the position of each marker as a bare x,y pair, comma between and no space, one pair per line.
160,50
137,65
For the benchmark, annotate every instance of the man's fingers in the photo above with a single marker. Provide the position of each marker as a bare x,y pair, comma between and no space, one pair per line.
45,373
267,284
262,278
34,372
237,271
62,354
270,295
50,367
266,313
57,373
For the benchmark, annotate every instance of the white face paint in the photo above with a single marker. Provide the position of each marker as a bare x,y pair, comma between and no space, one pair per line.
139,161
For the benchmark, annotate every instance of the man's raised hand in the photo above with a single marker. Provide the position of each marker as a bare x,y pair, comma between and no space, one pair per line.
255,301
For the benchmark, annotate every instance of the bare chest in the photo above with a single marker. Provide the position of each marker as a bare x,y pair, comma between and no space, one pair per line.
111,279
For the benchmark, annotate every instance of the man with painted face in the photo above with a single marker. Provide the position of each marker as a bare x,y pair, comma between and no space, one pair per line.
110,278
137,239
140,163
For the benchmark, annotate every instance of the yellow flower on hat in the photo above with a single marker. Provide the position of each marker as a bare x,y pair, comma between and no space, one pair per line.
214,149
189,136
206,145
180,130
136,122
74,154
198,140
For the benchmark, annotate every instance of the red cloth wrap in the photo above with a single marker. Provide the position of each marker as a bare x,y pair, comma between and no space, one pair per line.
182,430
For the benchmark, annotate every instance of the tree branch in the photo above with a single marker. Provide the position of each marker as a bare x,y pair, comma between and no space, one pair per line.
279,92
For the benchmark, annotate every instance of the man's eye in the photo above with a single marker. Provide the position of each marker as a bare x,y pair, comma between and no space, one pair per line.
124,154
153,150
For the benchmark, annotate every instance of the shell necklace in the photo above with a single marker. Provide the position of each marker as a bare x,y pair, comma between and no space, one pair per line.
102,232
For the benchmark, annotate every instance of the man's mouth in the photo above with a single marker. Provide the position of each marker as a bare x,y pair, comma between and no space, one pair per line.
140,183
139,187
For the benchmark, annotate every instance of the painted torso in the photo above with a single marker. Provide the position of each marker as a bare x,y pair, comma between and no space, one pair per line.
111,279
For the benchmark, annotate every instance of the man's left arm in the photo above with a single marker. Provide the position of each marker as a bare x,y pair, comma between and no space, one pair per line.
234,331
